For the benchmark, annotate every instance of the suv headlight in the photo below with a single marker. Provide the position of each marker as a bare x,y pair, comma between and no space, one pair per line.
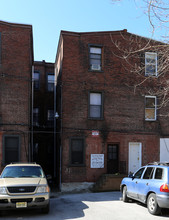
3,190
43,189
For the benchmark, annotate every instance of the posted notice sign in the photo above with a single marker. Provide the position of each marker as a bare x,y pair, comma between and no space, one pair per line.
97,161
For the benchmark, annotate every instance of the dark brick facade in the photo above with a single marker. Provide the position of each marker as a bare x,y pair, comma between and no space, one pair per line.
16,60
43,129
123,120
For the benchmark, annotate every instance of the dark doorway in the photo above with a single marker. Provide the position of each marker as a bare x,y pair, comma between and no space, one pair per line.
113,158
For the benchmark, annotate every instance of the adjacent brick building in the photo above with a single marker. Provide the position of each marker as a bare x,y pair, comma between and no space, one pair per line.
16,60
106,125
43,116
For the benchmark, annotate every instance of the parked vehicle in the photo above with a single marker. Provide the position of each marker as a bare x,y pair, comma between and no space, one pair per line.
24,186
149,185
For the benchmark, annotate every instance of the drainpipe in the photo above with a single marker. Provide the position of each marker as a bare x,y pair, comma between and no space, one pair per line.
31,148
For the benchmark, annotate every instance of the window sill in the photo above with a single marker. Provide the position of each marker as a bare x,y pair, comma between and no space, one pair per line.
96,71
96,119
77,165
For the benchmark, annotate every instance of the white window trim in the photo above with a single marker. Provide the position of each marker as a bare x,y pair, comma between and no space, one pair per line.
156,73
147,119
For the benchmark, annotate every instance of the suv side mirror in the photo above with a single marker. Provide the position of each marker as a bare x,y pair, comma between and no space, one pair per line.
131,175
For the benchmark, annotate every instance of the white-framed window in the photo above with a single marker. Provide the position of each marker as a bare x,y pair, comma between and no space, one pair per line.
151,64
95,105
150,108
95,58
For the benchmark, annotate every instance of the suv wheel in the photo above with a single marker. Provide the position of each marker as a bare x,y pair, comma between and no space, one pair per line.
125,198
152,205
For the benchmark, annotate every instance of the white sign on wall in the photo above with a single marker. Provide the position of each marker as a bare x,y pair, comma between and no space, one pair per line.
97,161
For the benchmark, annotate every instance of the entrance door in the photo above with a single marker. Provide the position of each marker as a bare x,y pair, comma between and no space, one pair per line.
134,156
112,158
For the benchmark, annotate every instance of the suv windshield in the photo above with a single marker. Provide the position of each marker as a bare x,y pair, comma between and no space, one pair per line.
22,172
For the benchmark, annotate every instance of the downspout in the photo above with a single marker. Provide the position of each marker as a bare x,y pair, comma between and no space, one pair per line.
31,150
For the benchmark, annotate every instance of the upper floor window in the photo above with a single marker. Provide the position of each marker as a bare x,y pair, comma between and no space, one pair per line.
150,64
95,105
36,116
95,58
150,108
36,78
51,82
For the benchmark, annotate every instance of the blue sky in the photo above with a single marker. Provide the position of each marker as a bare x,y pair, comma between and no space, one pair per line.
49,17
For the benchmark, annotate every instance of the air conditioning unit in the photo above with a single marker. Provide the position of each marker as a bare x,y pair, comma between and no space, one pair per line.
96,67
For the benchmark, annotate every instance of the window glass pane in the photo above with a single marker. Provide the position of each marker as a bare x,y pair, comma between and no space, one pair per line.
77,151
159,173
151,56
150,113
95,56
149,173
50,115
95,98
36,116
139,173
36,76
95,111
150,69
150,102
150,63
50,78
96,50
98,62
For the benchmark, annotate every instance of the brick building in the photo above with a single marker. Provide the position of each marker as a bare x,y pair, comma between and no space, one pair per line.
43,112
16,60
106,126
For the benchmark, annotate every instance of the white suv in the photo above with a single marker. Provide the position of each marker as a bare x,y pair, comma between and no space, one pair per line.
24,186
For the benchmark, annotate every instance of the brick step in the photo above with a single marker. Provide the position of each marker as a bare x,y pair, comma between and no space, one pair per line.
108,182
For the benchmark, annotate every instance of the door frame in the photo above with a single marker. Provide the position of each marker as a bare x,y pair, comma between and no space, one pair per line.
140,154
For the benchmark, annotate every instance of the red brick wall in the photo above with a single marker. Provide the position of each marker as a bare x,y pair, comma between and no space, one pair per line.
15,83
124,119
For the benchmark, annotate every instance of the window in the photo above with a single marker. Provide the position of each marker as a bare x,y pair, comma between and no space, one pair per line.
139,173
36,116
149,173
50,115
51,82
150,64
50,118
150,108
95,58
77,151
159,173
95,105
36,78
11,148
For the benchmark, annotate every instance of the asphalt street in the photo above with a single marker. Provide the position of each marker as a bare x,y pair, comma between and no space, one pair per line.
90,206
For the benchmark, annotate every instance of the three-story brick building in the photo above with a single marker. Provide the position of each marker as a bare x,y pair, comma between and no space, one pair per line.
106,124
16,60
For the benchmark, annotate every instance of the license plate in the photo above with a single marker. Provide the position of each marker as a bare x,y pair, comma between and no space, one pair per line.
21,204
